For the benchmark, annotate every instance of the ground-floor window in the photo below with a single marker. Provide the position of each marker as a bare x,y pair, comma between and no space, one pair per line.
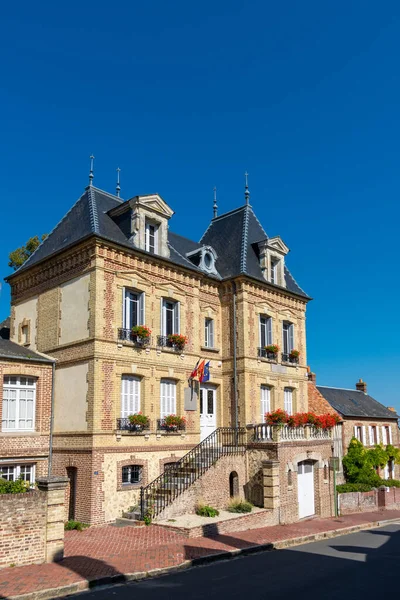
132,474
14,472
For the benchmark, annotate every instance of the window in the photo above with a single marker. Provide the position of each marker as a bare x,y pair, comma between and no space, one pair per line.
18,403
265,331
132,474
288,337
386,435
170,317
151,238
14,472
168,398
209,333
133,309
358,433
373,437
25,334
265,401
288,400
130,395
274,270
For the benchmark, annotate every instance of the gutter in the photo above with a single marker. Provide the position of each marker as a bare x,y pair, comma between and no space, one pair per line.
235,397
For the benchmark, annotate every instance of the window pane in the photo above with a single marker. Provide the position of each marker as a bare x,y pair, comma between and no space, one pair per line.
210,402
132,474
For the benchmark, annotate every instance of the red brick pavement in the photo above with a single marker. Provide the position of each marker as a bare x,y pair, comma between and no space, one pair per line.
106,551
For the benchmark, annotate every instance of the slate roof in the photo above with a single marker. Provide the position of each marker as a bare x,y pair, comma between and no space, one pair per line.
11,350
233,236
352,403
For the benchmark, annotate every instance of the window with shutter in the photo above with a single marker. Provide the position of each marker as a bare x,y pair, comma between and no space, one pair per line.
130,395
265,331
18,408
133,313
151,237
170,317
209,333
265,401
288,400
288,337
167,398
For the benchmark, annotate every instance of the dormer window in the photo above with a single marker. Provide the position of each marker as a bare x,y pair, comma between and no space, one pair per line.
274,270
271,254
208,260
151,237
204,258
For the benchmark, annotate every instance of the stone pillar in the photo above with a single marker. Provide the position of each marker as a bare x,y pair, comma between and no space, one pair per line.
55,491
271,483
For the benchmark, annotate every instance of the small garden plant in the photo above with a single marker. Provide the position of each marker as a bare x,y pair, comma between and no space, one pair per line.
75,525
173,422
238,505
138,419
203,510
272,349
14,487
281,417
178,340
141,331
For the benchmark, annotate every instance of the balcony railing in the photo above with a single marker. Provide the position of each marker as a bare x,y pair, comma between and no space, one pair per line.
124,424
163,341
162,426
283,433
263,353
290,359
128,336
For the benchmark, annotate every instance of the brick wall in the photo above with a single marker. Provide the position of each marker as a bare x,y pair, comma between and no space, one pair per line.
317,403
382,498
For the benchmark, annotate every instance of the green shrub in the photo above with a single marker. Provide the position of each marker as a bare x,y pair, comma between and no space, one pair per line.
14,487
344,488
391,483
77,525
203,510
238,505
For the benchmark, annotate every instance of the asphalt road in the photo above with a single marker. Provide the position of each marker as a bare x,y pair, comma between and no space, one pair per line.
359,566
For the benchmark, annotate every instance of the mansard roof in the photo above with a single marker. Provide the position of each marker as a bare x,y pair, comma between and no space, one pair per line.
234,236
354,403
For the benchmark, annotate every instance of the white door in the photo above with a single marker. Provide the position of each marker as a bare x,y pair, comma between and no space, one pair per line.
305,488
208,417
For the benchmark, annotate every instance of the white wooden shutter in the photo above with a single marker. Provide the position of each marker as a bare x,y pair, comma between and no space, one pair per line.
377,434
124,325
390,436
162,317
130,395
364,437
370,439
269,331
288,401
265,401
291,337
177,319
355,431
167,398
142,316
384,440
211,333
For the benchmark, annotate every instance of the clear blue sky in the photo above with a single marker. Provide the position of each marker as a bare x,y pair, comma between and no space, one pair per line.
184,96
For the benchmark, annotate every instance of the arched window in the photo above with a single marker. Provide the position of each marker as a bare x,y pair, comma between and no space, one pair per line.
233,484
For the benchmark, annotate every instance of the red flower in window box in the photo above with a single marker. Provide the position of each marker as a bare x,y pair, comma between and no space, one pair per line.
138,421
178,340
294,353
277,417
173,422
272,349
141,331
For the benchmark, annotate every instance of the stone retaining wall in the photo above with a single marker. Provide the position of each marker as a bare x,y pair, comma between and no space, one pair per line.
354,502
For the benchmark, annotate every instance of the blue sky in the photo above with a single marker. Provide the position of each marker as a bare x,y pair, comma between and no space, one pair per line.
184,96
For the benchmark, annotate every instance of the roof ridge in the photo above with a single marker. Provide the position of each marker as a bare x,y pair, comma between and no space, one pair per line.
94,219
332,387
52,231
255,216
245,237
93,187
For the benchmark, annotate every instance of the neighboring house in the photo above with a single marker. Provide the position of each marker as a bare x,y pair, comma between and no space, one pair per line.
110,265
364,418
25,412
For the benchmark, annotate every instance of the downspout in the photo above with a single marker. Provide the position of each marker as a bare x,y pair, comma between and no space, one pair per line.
235,396
53,371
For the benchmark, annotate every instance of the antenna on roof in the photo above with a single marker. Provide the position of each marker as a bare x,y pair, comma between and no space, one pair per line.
246,189
215,207
91,170
118,186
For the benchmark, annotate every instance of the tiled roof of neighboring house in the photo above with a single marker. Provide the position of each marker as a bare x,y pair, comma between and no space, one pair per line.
233,236
11,350
353,403
317,403
5,329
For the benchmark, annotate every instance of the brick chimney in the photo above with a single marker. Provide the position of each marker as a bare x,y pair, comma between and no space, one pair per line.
361,386
312,377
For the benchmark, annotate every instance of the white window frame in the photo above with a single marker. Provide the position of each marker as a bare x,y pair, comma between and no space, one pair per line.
274,271
288,400
130,395
18,388
176,320
208,332
17,471
167,397
265,401
265,323
287,337
127,292
130,468
147,236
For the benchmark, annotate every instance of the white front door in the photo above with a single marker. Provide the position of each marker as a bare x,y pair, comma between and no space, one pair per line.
208,417
305,488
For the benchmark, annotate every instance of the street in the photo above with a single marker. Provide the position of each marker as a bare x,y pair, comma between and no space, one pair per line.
358,566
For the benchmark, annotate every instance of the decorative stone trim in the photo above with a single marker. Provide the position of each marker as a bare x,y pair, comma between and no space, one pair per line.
123,487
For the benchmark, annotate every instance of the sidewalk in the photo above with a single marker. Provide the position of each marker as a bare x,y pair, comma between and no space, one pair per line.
108,553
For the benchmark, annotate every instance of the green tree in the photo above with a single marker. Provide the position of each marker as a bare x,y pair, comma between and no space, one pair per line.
20,255
358,464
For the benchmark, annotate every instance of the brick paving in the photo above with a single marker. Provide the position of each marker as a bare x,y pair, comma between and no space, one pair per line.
106,551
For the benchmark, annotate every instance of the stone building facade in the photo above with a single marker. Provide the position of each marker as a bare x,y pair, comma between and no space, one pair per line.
110,265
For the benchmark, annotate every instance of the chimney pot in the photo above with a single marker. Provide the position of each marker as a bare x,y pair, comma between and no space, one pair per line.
361,386
312,377
391,408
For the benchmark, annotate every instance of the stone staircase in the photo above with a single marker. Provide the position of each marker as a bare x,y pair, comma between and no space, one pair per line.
177,478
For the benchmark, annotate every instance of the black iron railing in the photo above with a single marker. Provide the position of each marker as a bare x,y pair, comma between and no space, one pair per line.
161,492
162,426
124,424
290,359
127,335
163,341
263,353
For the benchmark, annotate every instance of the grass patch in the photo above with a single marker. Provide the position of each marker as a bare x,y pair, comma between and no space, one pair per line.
203,510
238,505
77,525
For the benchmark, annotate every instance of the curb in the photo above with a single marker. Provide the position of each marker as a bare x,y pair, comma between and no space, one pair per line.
84,586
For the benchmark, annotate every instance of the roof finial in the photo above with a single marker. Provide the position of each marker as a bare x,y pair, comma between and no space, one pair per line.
215,207
118,186
246,189
91,170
